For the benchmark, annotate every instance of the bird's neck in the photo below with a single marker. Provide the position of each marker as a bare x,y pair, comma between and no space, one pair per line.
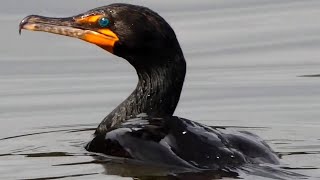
157,93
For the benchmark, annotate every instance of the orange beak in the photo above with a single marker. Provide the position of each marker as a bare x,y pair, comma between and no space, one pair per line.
78,27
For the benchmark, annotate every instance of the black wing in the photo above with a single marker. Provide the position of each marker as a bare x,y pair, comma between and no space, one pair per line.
181,142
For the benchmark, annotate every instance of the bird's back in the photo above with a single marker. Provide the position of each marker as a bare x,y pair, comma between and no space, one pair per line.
184,143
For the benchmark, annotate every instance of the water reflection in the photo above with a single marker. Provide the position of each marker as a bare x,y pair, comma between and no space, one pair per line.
311,75
244,62
126,167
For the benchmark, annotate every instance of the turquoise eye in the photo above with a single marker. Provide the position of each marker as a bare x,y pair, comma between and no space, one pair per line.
104,22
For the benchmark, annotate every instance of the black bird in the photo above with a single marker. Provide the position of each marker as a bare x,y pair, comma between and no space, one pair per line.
143,126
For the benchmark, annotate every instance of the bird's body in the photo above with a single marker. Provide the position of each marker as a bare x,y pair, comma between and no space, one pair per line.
184,143
143,126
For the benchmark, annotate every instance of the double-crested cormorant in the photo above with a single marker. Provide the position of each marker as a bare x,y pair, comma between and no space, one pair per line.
143,126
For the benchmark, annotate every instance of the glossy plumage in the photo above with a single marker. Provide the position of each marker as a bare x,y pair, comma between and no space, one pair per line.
143,126
181,142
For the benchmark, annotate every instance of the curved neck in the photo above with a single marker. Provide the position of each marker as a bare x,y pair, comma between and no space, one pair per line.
157,93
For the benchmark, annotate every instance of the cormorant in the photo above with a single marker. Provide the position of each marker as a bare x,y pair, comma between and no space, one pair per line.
143,126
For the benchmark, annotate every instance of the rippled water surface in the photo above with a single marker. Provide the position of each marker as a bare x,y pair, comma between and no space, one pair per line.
253,65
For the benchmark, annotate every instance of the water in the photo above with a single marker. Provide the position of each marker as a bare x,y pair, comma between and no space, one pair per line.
246,65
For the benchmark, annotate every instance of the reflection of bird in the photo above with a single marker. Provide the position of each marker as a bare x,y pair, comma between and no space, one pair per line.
142,127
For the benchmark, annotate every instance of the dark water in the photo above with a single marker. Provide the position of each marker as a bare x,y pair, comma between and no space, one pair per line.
252,64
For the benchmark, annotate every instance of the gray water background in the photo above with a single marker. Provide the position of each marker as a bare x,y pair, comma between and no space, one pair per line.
245,61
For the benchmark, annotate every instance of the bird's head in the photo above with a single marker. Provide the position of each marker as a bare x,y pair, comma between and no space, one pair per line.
135,33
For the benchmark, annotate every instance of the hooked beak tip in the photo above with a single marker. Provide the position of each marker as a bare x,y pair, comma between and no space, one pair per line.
24,22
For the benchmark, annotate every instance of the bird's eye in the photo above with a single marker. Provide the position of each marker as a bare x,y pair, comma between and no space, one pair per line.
104,22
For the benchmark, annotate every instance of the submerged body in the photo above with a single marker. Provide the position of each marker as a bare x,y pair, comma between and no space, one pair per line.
143,126
184,143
